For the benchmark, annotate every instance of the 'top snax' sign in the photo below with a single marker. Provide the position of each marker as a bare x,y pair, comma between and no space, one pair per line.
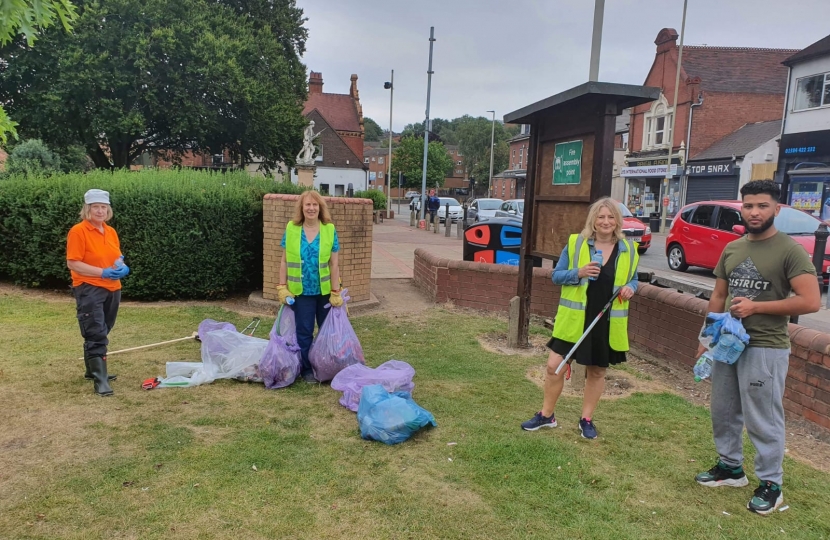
567,163
712,168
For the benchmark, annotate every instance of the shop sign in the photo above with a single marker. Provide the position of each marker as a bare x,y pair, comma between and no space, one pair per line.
714,168
567,163
648,171
806,144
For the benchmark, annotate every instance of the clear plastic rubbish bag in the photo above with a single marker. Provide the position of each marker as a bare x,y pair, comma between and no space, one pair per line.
336,345
393,375
724,336
280,363
390,418
226,354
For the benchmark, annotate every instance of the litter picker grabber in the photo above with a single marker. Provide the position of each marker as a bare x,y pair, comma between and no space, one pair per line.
251,328
194,335
569,358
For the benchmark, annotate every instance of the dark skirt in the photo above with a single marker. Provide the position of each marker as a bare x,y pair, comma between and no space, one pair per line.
595,350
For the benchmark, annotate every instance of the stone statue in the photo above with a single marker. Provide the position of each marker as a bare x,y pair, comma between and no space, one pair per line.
306,155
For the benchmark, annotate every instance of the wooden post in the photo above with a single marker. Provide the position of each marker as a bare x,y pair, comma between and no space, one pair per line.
525,285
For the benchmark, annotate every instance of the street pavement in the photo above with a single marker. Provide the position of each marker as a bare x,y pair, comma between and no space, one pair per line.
394,243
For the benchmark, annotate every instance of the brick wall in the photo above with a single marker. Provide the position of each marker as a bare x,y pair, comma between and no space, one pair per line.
353,220
662,320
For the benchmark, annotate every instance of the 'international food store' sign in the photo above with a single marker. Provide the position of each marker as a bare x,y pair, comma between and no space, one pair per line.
648,171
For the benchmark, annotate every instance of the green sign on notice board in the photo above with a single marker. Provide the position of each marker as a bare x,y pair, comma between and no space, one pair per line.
567,163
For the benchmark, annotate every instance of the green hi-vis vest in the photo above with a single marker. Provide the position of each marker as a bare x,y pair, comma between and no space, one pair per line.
294,261
570,316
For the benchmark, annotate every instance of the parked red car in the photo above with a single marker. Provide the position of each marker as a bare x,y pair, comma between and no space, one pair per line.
634,229
701,230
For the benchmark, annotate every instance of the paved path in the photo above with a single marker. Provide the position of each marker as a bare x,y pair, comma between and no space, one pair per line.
394,243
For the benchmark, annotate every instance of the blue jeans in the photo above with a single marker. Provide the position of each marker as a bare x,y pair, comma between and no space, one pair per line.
307,309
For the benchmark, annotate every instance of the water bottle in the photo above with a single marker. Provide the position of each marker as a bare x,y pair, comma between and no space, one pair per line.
703,367
289,301
597,258
119,263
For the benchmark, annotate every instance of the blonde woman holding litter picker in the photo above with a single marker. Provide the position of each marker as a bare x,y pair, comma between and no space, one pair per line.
310,270
587,286
93,255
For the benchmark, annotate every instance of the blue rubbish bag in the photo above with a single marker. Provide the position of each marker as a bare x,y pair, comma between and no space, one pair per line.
724,336
390,417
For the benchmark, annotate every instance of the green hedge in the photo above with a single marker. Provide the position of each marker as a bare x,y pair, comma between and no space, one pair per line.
184,233
377,196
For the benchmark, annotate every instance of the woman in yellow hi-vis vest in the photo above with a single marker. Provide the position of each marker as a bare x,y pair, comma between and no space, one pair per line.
586,288
310,270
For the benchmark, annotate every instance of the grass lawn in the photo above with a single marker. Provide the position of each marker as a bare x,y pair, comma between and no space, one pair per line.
179,463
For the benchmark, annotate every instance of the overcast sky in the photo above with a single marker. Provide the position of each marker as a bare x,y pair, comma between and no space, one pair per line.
505,54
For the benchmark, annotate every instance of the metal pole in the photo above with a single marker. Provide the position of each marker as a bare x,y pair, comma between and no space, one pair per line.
389,156
492,151
668,177
819,248
596,41
426,123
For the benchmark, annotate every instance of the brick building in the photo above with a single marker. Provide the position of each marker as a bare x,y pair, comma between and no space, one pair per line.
456,182
339,120
375,157
721,89
509,184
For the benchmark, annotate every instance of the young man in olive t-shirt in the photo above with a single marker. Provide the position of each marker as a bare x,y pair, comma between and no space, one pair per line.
755,276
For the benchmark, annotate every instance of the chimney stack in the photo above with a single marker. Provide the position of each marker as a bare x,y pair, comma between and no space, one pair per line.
315,82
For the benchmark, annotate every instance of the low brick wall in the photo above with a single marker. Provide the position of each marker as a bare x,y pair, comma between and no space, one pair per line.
661,320
353,220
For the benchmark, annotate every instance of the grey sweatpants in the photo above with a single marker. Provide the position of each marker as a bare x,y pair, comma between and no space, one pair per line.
750,392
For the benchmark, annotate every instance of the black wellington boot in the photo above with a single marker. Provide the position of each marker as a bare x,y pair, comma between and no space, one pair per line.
88,374
98,368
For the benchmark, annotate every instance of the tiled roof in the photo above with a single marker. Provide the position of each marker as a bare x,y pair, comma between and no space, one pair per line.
819,48
622,122
738,69
379,151
739,143
335,150
338,109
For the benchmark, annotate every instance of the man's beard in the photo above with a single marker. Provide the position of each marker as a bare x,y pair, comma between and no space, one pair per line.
761,228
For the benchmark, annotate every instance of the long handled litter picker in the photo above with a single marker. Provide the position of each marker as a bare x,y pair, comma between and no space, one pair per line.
569,358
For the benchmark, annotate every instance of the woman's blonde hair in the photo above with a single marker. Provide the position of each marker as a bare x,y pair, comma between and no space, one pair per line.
86,212
324,216
590,230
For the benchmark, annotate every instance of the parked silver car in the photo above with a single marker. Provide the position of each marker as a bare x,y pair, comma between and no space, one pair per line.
481,209
456,212
511,208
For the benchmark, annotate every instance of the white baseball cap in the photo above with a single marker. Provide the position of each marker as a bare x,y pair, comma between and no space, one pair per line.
97,196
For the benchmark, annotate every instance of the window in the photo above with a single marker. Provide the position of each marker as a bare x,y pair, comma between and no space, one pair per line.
657,124
380,161
373,160
687,214
218,159
380,175
459,162
319,156
324,189
812,92
365,160
728,218
703,215
521,151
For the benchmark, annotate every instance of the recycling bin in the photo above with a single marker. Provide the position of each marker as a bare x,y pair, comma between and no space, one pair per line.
495,241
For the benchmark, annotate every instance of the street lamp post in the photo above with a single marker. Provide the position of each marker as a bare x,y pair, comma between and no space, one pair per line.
391,87
492,151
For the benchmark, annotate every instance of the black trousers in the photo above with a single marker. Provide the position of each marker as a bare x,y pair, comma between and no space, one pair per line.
96,309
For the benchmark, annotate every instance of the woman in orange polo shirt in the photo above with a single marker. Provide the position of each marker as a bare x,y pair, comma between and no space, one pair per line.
93,255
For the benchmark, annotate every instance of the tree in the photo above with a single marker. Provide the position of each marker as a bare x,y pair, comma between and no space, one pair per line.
474,143
409,159
32,157
372,131
157,76
28,17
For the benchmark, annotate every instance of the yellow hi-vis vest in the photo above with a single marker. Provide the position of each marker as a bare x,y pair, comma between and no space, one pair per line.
570,316
294,262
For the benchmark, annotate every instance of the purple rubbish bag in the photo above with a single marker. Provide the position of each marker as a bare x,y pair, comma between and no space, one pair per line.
336,345
393,375
280,364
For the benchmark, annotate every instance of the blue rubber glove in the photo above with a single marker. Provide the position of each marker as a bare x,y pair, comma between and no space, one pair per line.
122,271
110,273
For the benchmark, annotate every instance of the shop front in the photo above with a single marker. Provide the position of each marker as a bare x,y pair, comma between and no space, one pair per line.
804,171
645,190
711,181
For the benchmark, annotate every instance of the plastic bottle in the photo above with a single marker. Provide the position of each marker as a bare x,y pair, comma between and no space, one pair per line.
597,258
119,263
289,300
703,367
